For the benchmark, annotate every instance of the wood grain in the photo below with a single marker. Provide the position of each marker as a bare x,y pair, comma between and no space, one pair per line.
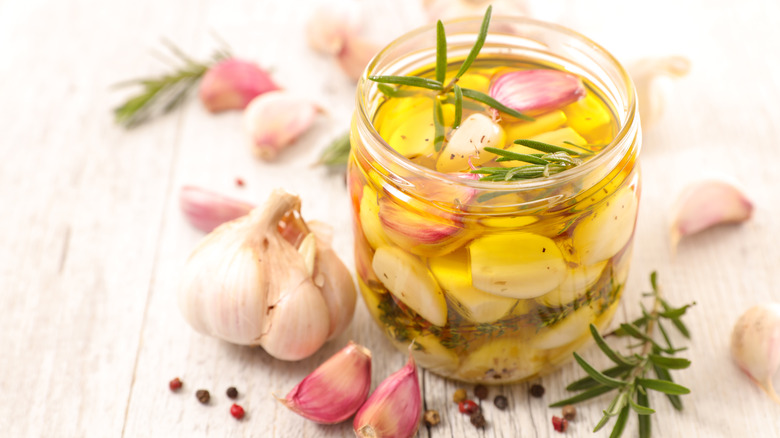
92,241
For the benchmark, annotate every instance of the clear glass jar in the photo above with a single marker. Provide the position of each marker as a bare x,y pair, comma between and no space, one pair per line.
494,282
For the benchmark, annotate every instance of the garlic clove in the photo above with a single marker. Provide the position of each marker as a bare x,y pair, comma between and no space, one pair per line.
608,229
591,119
331,25
516,265
410,140
369,219
536,91
577,282
707,203
206,210
560,137
453,274
232,84
395,407
544,123
276,119
755,345
467,144
336,389
506,359
355,55
410,281
651,96
419,232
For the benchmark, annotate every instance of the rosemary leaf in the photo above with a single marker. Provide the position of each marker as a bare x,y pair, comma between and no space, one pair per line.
516,156
458,105
337,152
638,408
670,363
441,52
644,420
412,81
438,123
663,374
664,386
609,352
477,45
620,423
585,395
588,382
493,103
597,375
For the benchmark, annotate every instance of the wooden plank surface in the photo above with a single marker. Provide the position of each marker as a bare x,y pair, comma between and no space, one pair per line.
92,241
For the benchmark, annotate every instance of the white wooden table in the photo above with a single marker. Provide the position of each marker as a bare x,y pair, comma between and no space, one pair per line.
92,240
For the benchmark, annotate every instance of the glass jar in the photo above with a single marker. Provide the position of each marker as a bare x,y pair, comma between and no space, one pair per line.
494,282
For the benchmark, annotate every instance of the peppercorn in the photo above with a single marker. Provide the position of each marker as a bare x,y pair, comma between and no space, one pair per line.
468,407
459,395
431,417
537,390
478,420
560,424
569,412
175,384
237,411
203,396
232,392
501,402
481,391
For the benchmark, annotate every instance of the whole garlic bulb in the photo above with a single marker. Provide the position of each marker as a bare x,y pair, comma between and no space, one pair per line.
265,279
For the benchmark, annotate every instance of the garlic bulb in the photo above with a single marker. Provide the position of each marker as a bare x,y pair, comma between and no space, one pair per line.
264,279
755,345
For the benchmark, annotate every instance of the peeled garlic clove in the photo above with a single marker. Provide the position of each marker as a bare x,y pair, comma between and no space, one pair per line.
536,91
336,389
415,134
591,119
607,229
650,95
331,25
207,210
506,359
543,123
755,345
409,280
467,144
705,204
516,265
395,407
355,55
274,120
369,219
232,84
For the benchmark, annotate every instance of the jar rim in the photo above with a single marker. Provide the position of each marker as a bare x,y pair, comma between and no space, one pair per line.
388,154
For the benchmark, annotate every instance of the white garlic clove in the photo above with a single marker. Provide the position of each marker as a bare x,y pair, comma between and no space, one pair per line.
207,210
331,25
536,91
395,407
467,144
232,84
755,345
355,55
336,389
650,94
707,203
274,120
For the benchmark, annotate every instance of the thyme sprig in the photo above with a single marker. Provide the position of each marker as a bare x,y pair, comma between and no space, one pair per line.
438,84
554,159
629,376
161,94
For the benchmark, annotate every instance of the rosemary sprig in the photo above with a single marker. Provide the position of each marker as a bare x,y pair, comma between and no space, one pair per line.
556,159
337,152
161,94
629,376
438,85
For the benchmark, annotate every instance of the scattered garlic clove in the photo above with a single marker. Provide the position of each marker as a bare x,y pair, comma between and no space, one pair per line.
232,84
246,283
275,119
755,345
536,91
651,96
336,389
467,144
419,232
355,55
395,407
706,203
410,281
516,265
607,229
207,210
331,25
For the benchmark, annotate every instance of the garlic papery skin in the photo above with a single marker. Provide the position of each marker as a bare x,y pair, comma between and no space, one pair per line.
336,389
206,210
707,203
232,84
755,345
651,95
274,120
536,91
395,407
247,284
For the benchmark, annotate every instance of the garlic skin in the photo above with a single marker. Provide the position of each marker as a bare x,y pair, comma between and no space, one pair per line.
247,284
395,407
650,94
755,345
707,203
207,210
276,119
336,389
536,91
232,84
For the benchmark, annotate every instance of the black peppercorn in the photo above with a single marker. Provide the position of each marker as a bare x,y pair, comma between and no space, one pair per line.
537,390
232,392
478,420
203,396
481,392
501,402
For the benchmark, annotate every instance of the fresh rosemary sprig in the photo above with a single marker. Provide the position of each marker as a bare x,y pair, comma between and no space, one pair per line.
444,90
629,376
555,159
337,152
162,94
